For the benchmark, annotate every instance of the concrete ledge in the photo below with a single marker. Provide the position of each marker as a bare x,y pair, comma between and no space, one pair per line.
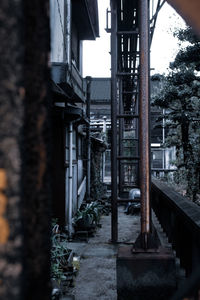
142,276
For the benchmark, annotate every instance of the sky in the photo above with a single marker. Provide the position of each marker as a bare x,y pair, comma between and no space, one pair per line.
96,57
164,45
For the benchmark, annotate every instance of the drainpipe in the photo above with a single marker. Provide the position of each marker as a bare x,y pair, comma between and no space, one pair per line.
68,32
70,178
88,81
104,154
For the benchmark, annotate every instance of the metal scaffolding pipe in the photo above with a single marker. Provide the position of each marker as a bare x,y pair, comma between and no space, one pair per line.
144,121
114,229
70,178
104,154
121,129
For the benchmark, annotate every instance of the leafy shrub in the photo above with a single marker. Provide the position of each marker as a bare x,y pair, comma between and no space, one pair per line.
59,254
88,215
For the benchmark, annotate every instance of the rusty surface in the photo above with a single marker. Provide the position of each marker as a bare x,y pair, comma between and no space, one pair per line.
114,229
121,129
144,120
189,10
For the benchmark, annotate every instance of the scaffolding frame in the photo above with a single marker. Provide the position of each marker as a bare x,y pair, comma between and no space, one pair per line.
132,30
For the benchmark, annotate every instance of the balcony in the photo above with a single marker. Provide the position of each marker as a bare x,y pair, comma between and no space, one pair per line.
69,80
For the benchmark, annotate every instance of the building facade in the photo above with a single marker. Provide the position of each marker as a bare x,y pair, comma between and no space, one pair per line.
71,23
100,119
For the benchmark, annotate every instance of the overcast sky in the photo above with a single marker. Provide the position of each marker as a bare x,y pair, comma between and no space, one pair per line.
96,57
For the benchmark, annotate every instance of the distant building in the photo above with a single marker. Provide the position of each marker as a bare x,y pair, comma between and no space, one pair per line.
100,119
161,158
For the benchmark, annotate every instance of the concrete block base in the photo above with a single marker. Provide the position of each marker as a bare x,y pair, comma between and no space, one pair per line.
142,276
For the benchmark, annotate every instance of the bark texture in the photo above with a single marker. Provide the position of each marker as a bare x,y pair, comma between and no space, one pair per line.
11,111
24,150
36,151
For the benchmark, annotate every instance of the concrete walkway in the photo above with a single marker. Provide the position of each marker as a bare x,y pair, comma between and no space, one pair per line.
96,279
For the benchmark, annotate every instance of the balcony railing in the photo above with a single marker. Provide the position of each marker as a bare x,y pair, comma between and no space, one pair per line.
180,219
77,82
62,74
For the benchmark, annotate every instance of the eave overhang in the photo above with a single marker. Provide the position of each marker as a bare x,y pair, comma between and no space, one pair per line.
85,14
72,113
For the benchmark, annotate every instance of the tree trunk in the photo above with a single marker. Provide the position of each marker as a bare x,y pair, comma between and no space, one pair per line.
24,151
11,112
36,180
188,161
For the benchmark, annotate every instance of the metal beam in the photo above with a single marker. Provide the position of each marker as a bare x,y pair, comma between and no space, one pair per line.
144,121
114,229
154,18
121,130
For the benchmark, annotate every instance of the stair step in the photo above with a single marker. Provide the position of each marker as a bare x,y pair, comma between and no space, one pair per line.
127,116
128,157
128,32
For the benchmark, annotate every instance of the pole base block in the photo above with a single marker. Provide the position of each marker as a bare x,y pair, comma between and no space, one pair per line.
145,275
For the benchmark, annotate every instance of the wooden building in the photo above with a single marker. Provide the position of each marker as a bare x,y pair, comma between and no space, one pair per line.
71,23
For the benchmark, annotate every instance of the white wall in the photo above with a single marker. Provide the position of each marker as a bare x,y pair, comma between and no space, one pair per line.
57,29
74,175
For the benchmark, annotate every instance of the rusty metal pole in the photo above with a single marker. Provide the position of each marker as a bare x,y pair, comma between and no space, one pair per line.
121,130
144,121
114,229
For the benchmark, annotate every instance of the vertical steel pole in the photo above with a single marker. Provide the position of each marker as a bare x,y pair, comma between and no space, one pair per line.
144,121
104,154
88,80
114,233
121,129
70,178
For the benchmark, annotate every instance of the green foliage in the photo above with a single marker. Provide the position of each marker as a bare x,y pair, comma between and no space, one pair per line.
180,97
189,56
88,215
59,254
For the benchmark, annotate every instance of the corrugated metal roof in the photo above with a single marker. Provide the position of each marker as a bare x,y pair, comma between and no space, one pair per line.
100,89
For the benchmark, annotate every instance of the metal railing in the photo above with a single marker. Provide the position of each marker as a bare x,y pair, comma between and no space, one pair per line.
180,219
76,78
61,73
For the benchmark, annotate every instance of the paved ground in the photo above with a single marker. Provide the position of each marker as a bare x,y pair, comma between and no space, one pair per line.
96,279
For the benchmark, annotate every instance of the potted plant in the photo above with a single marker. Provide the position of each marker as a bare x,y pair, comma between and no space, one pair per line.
88,217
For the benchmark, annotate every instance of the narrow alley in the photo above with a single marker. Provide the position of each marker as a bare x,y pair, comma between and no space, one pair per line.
96,278
76,146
